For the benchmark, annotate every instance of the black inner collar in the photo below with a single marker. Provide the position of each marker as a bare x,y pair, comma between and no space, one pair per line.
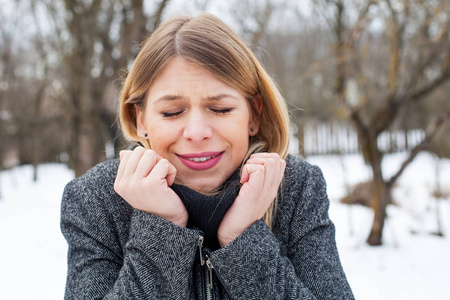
207,211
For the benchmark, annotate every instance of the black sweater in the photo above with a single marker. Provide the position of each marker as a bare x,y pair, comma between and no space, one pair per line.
207,211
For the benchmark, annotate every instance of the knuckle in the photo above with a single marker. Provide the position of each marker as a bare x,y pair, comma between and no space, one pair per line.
117,187
126,152
139,149
133,185
163,162
154,154
149,184
149,153
260,167
275,156
255,155
270,161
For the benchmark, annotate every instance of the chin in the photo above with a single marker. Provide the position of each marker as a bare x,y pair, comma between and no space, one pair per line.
203,186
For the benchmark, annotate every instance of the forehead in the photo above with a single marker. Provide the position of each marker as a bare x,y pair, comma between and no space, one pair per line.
183,79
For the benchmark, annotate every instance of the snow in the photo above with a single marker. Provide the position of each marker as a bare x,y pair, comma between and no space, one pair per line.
412,263
32,248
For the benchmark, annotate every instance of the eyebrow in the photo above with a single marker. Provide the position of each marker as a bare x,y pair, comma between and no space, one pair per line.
210,98
169,98
220,97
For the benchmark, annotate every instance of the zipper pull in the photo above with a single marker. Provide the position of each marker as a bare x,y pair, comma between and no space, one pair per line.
200,248
210,270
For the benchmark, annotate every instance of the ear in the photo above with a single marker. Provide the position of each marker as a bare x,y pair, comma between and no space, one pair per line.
140,122
253,127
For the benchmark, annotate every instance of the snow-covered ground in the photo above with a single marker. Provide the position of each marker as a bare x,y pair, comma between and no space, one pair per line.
412,264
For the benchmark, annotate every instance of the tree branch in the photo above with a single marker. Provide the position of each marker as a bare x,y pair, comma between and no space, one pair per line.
396,44
359,25
430,132
420,94
159,12
384,115
339,82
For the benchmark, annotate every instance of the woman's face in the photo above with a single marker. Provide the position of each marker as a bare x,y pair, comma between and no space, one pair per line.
197,122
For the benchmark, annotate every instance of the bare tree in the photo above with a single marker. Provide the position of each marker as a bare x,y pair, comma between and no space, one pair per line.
97,39
413,61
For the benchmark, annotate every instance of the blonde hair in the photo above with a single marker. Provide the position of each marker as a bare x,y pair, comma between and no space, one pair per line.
208,42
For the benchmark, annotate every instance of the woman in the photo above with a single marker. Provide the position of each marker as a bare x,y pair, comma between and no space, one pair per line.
208,208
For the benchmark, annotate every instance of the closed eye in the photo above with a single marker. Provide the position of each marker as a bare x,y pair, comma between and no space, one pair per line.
221,111
171,114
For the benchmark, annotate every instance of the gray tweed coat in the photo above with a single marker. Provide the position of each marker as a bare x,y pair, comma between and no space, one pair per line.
117,252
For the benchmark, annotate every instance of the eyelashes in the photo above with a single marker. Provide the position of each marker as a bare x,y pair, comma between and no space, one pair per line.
177,113
221,111
171,114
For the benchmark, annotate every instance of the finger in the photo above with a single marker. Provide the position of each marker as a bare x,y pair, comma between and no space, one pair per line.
269,160
257,157
258,160
163,170
171,175
253,173
274,171
124,156
133,161
261,160
277,177
272,167
273,155
147,162
245,173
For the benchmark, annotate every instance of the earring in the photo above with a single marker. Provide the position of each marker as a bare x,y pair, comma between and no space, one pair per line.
145,135
251,129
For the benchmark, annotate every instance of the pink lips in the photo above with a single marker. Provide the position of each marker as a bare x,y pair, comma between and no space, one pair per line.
200,161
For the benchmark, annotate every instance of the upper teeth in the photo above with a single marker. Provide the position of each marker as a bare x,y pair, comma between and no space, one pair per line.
201,159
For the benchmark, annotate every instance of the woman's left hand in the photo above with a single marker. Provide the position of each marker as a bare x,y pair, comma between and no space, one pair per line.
261,177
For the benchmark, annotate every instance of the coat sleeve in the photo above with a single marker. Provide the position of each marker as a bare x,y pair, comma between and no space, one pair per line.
252,266
155,264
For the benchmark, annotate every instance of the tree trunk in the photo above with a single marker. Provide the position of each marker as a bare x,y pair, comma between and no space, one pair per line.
301,138
379,203
36,148
382,192
74,145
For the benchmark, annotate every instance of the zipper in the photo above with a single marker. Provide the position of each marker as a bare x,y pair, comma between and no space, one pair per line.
207,271
210,272
220,279
200,250
208,292
208,279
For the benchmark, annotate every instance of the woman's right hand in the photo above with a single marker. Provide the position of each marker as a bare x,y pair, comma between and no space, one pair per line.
144,179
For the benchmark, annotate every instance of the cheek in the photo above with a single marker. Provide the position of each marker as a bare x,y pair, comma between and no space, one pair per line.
237,135
160,138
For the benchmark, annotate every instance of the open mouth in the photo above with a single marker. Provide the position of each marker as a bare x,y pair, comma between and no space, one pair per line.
201,161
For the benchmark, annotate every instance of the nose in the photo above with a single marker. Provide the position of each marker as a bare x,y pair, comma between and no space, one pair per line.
197,128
